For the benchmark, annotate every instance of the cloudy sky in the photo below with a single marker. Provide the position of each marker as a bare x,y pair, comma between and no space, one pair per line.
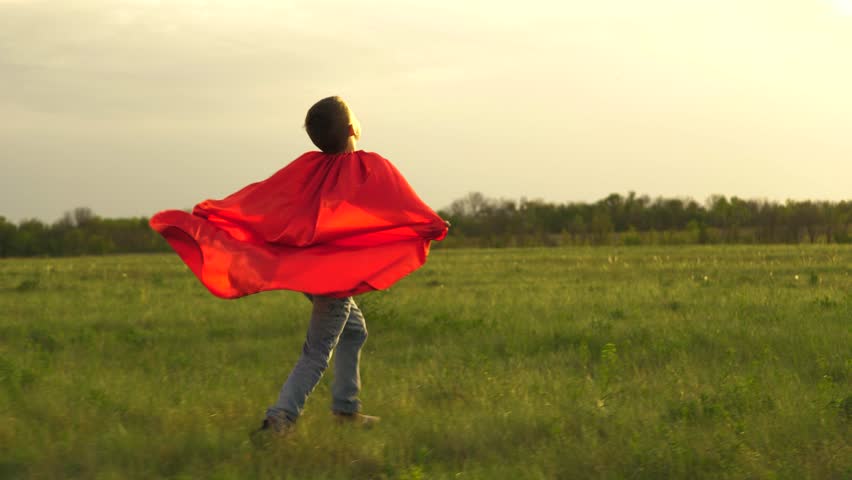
130,106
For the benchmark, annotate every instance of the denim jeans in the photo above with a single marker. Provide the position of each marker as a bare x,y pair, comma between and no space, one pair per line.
336,324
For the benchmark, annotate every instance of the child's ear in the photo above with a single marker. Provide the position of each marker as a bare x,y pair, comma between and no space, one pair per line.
355,131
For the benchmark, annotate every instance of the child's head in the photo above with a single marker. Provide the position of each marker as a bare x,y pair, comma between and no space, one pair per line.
330,124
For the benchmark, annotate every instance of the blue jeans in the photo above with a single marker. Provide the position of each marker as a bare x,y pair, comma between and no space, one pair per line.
335,322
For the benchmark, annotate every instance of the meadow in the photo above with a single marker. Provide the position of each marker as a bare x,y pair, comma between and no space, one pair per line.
629,362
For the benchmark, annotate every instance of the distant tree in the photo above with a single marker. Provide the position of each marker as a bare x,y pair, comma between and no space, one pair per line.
83,216
807,216
833,218
601,226
614,206
31,239
474,203
844,218
767,222
739,215
577,228
8,231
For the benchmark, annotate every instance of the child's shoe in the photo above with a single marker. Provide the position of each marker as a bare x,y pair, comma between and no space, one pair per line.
356,418
272,426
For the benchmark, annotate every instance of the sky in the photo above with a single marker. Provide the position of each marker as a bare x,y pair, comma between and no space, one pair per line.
130,107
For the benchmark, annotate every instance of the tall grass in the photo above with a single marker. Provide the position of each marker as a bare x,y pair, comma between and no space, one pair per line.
688,362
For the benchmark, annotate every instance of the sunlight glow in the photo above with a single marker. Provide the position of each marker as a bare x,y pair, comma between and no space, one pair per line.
843,6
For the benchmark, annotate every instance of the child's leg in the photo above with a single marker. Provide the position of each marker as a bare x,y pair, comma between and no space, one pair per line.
328,318
347,378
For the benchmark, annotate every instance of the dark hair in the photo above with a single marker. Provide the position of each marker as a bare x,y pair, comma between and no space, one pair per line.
328,123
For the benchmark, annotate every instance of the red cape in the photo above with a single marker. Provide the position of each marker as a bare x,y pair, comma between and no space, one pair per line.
335,225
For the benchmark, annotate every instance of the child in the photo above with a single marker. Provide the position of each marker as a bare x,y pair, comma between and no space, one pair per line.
331,224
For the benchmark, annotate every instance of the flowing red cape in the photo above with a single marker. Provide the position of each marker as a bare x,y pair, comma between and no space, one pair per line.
335,225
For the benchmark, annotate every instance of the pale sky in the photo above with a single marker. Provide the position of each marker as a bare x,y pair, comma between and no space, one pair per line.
130,107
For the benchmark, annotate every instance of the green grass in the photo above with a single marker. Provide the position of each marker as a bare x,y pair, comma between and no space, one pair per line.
690,362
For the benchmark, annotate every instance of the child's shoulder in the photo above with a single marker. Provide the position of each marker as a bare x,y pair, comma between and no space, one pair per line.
315,154
372,157
369,160
365,153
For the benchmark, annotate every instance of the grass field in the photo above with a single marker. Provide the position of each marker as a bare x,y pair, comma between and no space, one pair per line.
689,362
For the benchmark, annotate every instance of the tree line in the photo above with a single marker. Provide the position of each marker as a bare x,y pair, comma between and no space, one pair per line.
638,220
79,232
480,221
